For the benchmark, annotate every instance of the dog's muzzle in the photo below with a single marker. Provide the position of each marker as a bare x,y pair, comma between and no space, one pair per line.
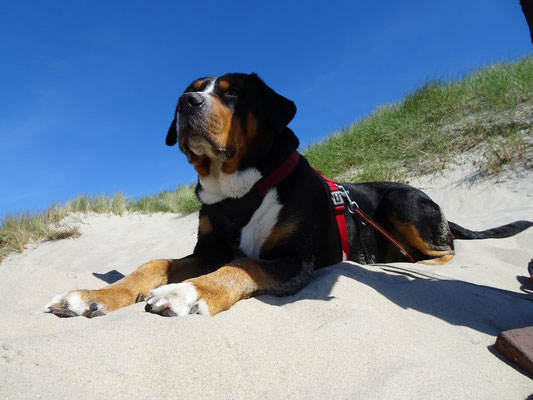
190,103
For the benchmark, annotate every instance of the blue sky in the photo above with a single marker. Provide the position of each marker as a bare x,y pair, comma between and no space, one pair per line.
88,88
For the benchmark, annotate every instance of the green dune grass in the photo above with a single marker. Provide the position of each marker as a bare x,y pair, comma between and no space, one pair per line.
18,229
428,127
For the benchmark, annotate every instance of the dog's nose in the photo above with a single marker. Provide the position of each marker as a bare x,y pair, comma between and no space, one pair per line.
188,103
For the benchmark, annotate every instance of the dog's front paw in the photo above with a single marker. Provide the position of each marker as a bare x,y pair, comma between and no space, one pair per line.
176,299
73,304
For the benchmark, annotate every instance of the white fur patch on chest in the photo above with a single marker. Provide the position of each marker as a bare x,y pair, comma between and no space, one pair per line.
223,186
254,234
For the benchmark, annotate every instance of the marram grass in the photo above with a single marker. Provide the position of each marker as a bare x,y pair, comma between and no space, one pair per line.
16,231
424,130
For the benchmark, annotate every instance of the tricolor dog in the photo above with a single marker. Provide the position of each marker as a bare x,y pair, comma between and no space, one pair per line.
268,219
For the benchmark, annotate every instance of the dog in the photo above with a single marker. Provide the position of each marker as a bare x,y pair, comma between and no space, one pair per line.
268,220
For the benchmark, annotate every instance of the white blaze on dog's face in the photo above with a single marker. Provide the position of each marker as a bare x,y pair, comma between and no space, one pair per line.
196,123
197,142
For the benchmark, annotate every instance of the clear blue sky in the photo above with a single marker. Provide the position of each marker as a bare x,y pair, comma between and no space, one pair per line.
88,88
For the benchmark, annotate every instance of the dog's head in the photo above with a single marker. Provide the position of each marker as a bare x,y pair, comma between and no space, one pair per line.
227,119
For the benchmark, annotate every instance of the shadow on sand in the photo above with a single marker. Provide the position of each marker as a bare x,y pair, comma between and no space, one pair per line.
482,308
109,277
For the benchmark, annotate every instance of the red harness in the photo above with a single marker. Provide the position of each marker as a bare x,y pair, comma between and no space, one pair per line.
338,203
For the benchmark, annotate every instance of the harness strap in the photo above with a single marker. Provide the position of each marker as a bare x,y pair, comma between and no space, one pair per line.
338,203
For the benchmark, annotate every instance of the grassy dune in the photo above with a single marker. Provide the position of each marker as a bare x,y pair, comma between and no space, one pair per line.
17,230
439,120
491,108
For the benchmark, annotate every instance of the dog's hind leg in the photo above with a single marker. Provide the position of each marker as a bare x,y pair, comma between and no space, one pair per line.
421,225
433,250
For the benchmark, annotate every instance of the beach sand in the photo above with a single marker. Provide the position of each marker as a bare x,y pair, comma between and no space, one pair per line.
355,332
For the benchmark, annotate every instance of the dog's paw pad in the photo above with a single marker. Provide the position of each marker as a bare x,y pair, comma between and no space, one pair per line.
176,299
72,304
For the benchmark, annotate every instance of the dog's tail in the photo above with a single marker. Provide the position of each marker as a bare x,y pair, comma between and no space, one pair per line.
458,232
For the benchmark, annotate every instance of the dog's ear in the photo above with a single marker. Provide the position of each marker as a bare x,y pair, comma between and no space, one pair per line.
172,135
278,110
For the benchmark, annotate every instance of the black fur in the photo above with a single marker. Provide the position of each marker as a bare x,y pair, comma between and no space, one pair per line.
495,233
313,241
172,134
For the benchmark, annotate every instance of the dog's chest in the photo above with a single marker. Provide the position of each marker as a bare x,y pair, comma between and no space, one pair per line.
254,234
238,212
245,222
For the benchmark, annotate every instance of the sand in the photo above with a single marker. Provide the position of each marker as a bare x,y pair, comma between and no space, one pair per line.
355,332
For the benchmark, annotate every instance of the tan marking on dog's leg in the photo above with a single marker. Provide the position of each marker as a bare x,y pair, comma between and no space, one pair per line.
437,261
229,284
127,290
411,235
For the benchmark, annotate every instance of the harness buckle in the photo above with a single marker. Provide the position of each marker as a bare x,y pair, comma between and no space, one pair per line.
336,197
352,205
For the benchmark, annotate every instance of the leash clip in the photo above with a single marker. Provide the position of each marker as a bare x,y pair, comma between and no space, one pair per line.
352,205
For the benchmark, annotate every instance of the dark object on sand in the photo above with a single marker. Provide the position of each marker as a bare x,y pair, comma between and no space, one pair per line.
517,346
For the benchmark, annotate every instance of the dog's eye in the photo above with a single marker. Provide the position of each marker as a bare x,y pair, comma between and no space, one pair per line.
231,92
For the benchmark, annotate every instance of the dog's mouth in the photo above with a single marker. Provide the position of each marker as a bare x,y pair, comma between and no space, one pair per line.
196,143
201,145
